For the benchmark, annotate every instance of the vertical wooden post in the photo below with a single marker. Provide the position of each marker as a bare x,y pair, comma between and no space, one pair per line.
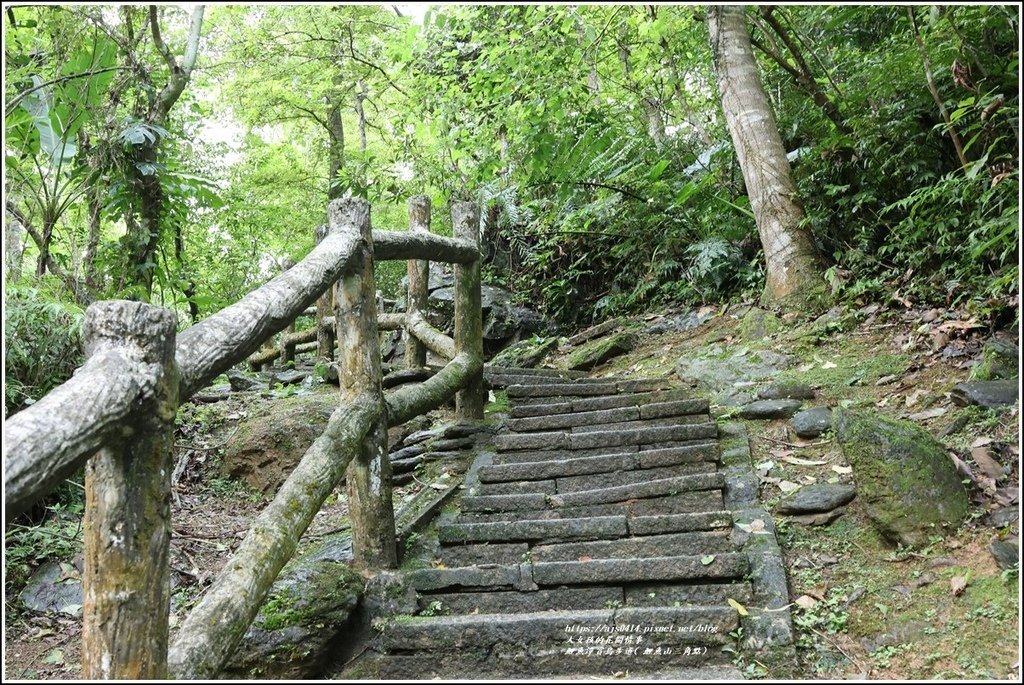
127,527
419,278
324,308
469,403
369,475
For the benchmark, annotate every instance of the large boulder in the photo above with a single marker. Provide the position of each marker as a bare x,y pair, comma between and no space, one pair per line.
525,354
310,606
728,374
990,394
503,322
909,487
266,447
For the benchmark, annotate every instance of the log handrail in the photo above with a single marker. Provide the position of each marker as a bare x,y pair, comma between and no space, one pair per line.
118,409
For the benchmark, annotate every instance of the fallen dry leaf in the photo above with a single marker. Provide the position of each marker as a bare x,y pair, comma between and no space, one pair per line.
843,470
740,609
958,584
982,456
806,602
928,414
981,442
913,397
886,380
788,486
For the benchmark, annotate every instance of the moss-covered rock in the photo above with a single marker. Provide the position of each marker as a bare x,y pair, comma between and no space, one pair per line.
525,354
309,609
758,324
1000,358
908,486
597,352
266,447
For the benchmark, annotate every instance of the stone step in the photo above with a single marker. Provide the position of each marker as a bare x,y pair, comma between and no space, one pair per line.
678,523
508,662
506,380
556,468
528,501
654,488
542,372
523,456
687,594
595,528
509,442
546,408
514,487
682,503
673,544
584,389
511,602
687,419
724,565
655,410
486,553
676,627
518,576
608,480
650,456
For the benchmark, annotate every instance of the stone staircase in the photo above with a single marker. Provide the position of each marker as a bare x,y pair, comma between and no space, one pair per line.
595,540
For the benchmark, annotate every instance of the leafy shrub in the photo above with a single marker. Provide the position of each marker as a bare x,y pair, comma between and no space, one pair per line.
44,343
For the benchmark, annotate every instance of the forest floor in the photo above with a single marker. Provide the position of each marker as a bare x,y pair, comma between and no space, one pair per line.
863,609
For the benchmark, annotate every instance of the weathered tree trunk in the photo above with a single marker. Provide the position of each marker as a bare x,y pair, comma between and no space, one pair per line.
794,267
369,475
419,277
469,402
127,506
14,246
324,308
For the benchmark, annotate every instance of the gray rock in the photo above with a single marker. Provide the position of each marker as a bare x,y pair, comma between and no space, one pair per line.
727,376
816,498
525,354
811,423
241,382
1007,554
54,588
289,377
986,393
821,519
786,391
908,486
1000,358
307,607
1004,517
681,322
770,409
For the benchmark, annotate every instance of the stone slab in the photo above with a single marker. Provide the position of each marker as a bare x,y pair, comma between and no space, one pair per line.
655,488
672,523
725,565
673,544
504,531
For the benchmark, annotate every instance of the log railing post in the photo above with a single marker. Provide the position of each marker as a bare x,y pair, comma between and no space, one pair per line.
127,527
419,277
369,475
324,308
469,402
288,347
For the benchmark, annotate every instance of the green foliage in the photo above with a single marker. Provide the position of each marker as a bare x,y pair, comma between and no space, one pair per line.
58,536
43,337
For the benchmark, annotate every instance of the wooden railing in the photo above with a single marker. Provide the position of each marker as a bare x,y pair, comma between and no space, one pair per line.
116,417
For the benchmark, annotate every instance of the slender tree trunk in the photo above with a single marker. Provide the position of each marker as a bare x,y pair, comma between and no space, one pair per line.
14,247
794,267
335,142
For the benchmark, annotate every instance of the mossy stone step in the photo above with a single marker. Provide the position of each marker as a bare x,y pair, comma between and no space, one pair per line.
669,626
585,404
586,389
595,528
632,412
673,544
511,602
605,439
631,477
723,565
681,503
484,553
654,488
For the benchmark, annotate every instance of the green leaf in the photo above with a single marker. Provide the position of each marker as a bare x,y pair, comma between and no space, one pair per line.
707,559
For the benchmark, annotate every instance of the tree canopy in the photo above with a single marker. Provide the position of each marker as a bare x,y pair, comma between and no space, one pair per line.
184,157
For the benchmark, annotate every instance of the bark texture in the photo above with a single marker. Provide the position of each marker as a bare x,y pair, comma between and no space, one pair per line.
369,475
419,277
411,401
469,402
126,582
46,442
433,339
422,245
794,267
